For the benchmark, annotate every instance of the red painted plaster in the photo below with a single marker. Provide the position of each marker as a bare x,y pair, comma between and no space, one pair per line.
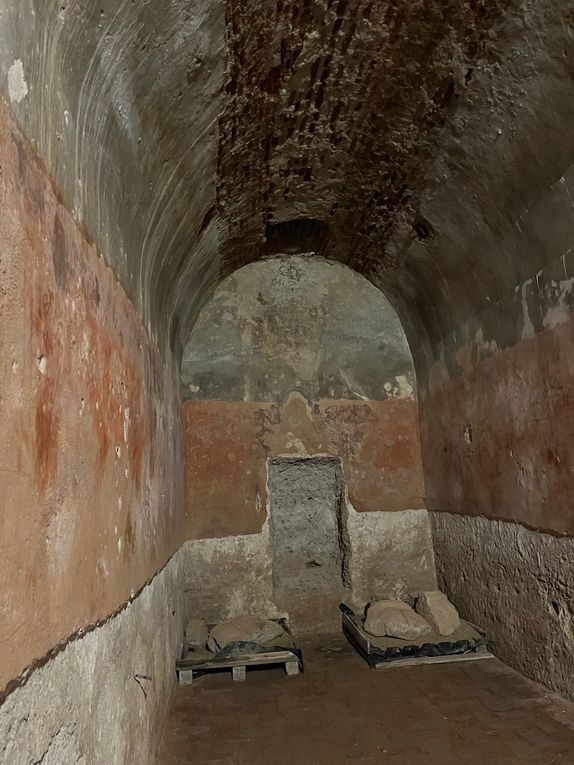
90,489
516,462
227,444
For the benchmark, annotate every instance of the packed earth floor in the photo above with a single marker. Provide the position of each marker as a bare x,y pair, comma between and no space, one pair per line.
340,711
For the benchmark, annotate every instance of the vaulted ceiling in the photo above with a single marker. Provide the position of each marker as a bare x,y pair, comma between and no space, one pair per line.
406,139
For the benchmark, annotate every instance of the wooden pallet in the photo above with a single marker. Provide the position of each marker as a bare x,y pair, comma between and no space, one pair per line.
411,655
237,665
189,666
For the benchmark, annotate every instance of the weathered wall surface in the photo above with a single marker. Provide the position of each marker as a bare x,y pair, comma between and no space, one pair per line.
519,585
495,212
504,422
390,554
227,445
210,154
104,699
497,431
297,324
506,430
227,576
90,444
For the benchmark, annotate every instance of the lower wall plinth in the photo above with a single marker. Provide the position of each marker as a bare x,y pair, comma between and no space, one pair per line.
390,554
103,700
517,584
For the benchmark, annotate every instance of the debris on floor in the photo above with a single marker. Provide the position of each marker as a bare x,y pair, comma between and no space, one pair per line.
197,633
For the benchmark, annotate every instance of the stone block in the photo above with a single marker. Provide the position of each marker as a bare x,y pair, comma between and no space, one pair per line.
196,633
245,629
436,608
394,618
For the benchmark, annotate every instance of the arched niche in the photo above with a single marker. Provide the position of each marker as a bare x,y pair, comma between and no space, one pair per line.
297,355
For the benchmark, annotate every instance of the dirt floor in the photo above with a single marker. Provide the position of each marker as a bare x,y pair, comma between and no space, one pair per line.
340,711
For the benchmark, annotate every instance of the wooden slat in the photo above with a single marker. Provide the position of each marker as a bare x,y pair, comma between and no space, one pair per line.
273,657
357,633
447,659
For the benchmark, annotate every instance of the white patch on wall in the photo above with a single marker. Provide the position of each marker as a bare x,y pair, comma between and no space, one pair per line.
405,389
294,442
402,389
17,85
559,313
528,330
126,423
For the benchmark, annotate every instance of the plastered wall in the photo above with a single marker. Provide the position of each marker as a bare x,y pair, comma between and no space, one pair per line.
90,443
